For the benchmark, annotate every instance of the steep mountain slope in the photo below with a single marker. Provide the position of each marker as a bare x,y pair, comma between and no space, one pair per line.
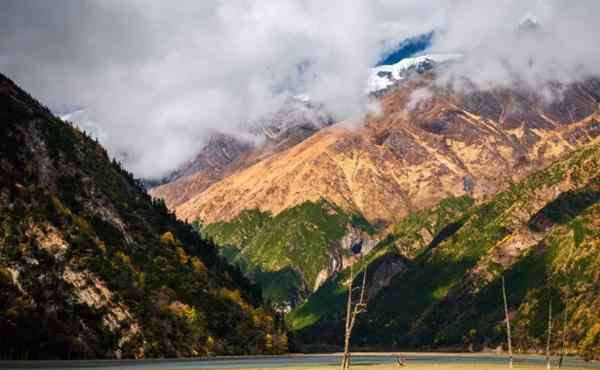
408,239
542,234
296,120
91,267
414,154
307,244
224,154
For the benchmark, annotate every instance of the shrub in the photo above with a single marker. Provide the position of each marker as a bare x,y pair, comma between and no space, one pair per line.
167,239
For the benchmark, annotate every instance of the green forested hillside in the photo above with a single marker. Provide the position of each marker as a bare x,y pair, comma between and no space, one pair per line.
286,252
91,267
543,234
409,237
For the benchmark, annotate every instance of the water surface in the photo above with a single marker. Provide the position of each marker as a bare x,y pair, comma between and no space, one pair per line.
379,361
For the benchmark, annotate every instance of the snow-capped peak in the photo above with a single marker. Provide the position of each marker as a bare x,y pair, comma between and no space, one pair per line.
382,77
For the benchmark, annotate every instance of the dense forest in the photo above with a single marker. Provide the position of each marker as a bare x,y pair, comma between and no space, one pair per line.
92,267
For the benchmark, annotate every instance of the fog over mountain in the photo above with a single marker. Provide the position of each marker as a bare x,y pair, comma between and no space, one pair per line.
522,41
150,79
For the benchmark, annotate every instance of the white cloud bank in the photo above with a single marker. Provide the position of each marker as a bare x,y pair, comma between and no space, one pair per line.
156,76
529,41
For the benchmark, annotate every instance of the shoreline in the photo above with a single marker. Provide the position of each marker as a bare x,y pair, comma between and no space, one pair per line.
491,357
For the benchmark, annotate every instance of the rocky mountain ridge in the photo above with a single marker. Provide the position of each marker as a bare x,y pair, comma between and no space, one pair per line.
414,154
297,119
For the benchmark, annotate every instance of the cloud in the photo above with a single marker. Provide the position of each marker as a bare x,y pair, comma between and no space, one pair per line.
153,78
525,41
417,96
157,76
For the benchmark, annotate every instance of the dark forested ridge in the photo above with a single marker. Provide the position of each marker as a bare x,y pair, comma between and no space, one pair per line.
92,267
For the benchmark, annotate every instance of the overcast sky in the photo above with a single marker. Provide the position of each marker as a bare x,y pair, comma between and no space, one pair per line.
152,78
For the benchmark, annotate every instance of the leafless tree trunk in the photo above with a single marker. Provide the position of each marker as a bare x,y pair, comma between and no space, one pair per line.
549,334
508,335
352,313
564,338
346,359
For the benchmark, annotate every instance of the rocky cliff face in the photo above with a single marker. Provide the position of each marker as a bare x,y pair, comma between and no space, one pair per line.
91,267
414,154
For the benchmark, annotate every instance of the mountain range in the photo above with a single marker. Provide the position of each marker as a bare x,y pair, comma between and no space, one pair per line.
451,144
295,120
447,188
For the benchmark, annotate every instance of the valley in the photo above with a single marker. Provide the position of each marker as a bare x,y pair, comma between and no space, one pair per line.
266,184
446,198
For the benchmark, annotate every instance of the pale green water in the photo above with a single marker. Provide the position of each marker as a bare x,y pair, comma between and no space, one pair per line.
359,362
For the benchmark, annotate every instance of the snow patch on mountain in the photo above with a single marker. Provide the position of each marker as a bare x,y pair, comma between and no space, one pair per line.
382,77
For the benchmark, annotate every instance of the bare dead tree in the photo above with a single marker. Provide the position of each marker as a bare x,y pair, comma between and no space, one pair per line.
549,333
564,337
400,361
346,358
352,311
508,335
